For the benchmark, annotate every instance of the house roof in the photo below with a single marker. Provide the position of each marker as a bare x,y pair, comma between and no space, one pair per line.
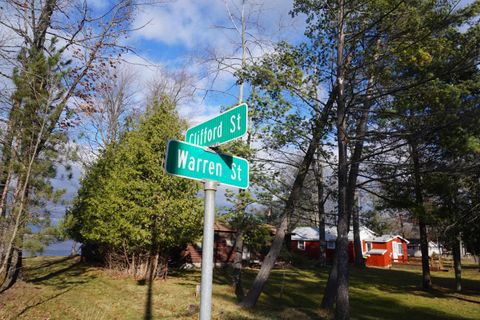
311,233
417,242
222,227
305,233
377,251
386,238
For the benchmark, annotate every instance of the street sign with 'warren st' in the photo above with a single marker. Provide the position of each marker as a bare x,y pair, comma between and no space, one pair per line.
190,161
230,125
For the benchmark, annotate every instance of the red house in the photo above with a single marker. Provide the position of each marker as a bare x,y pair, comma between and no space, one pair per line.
380,251
383,251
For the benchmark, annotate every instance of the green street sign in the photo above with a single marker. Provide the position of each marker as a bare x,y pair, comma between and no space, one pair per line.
227,126
193,162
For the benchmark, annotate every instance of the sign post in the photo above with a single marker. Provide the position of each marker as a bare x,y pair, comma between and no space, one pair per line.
209,187
193,160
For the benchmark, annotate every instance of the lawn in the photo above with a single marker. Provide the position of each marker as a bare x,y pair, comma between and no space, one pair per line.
64,288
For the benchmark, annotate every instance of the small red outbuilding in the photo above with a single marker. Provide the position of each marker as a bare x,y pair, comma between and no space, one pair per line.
385,250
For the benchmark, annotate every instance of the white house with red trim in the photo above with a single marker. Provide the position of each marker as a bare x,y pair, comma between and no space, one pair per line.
381,251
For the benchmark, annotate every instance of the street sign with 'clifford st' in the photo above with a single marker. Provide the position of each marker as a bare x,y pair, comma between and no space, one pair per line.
230,125
190,161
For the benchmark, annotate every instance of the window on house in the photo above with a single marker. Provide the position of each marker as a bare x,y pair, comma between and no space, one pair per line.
301,245
399,248
330,244
369,246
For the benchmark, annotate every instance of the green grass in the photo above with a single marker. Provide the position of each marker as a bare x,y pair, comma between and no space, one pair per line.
62,288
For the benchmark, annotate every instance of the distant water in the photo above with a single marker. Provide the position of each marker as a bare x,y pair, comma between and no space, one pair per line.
61,249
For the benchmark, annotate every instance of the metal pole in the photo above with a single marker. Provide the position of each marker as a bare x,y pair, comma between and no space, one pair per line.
209,187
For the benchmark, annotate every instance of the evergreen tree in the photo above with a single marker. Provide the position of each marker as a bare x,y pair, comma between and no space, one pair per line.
30,151
128,204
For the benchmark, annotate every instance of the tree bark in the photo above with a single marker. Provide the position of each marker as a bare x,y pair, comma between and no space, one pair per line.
330,293
237,266
342,299
43,24
318,172
457,263
426,278
14,267
357,242
267,265
360,132
237,263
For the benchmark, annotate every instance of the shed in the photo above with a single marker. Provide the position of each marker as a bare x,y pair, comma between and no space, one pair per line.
385,250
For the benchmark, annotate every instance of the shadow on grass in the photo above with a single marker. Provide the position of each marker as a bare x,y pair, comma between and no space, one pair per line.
404,283
42,302
50,263
67,271
61,273
302,290
408,282
375,307
149,303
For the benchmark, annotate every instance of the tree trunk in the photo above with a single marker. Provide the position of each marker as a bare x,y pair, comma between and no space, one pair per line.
322,255
5,184
342,300
152,264
330,293
269,261
360,132
457,263
267,265
13,270
359,261
322,260
162,269
10,241
426,278
237,266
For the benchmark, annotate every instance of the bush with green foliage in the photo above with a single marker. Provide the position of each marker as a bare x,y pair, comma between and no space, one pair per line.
127,202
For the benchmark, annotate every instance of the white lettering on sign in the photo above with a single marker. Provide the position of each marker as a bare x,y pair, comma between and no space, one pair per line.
199,164
233,128
236,174
206,135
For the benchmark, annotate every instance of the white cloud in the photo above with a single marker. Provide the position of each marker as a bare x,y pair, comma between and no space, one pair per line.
98,4
207,23
185,22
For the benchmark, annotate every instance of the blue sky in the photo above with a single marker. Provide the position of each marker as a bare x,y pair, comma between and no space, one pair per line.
183,34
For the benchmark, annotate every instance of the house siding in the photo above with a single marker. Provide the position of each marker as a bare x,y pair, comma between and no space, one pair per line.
312,250
387,259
